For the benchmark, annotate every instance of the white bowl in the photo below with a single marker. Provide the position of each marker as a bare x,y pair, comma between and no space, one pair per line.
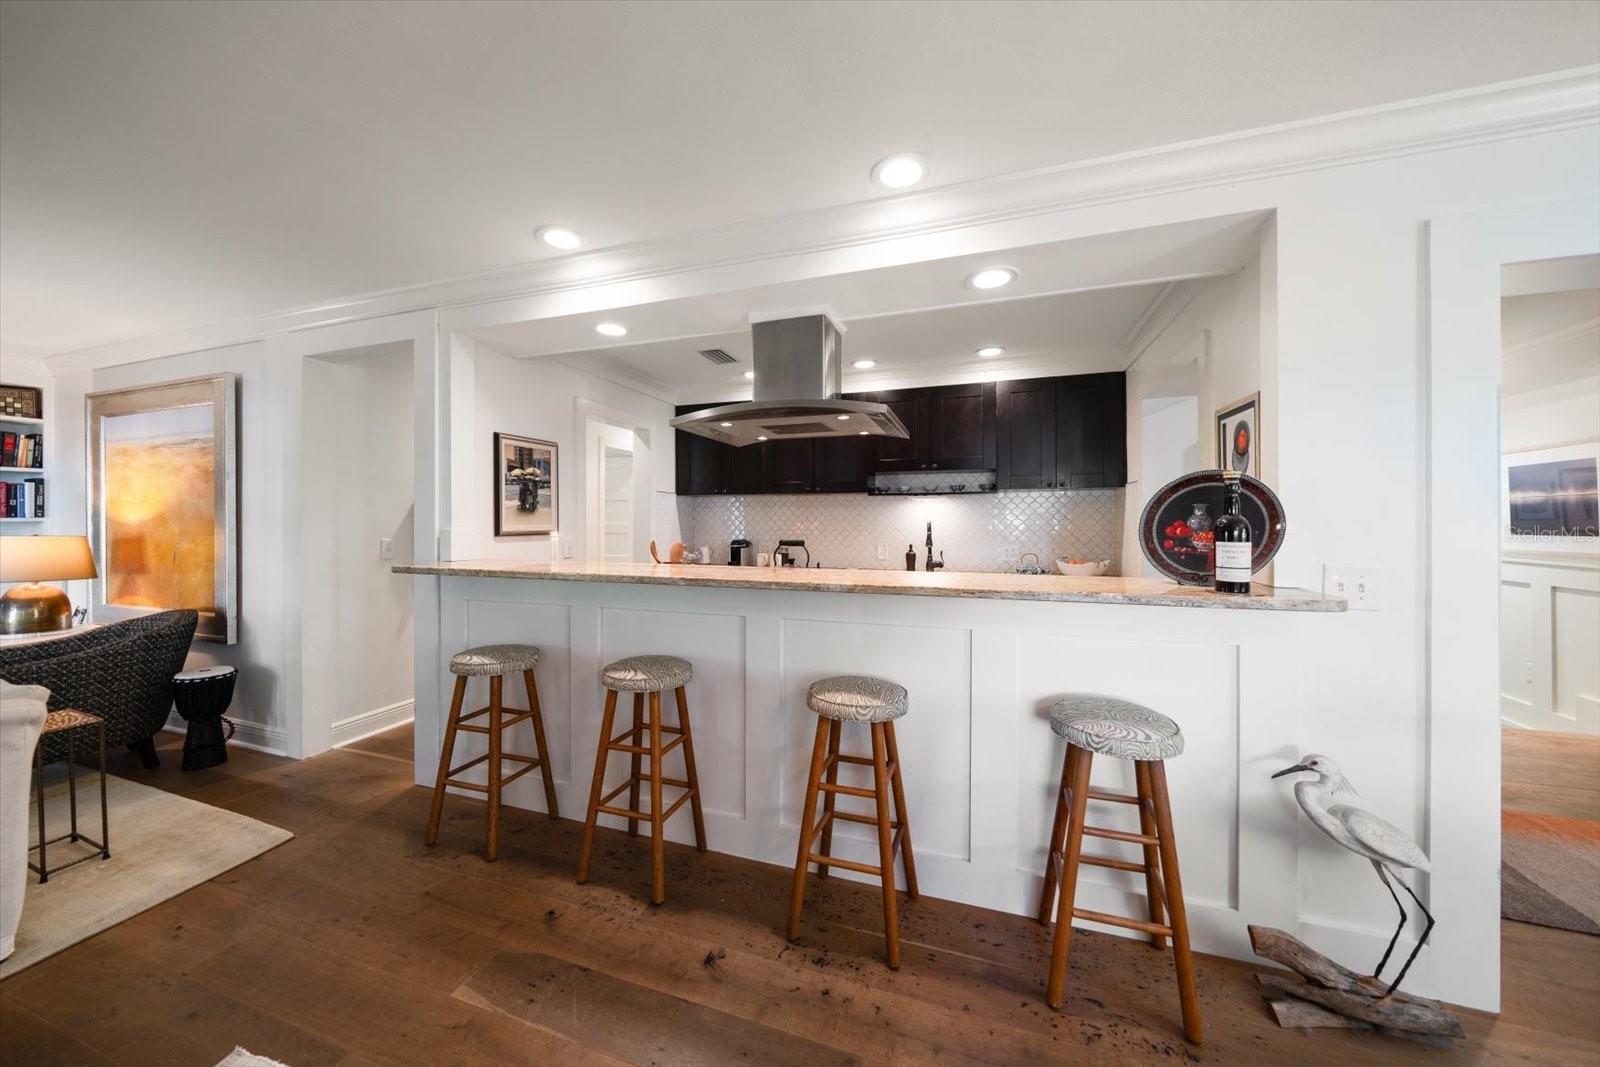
1092,569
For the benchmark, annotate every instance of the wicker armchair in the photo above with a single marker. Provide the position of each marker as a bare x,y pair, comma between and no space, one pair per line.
122,672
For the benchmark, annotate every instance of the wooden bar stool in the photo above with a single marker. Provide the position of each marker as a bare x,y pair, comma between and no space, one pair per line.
495,661
645,676
838,700
1128,731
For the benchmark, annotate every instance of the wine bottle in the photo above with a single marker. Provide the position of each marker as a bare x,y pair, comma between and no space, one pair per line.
1233,543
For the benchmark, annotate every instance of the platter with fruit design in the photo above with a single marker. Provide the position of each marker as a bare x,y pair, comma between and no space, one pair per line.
1175,526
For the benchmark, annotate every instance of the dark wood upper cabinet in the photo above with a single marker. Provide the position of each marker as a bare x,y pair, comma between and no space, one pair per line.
1026,420
1038,433
842,464
900,453
1091,431
702,464
791,465
960,427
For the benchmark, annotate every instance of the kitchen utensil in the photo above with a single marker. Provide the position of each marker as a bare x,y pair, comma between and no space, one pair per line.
1184,554
1083,568
653,554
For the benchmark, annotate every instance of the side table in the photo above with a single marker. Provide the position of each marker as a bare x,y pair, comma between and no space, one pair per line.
201,696
70,721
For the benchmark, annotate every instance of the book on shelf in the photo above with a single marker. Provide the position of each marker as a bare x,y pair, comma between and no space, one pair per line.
24,499
21,450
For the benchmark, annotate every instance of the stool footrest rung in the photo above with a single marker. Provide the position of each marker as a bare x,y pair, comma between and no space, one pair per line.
1113,864
847,790
849,865
1120,835
1141,925
840,757
1116,798
644,750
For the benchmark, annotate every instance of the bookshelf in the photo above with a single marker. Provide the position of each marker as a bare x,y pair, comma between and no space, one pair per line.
20,426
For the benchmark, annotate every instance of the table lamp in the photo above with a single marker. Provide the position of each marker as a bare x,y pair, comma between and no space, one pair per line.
35,559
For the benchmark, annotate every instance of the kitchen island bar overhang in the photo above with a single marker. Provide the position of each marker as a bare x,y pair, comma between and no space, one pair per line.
983,657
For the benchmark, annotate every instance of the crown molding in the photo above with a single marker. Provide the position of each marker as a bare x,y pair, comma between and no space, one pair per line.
1526,107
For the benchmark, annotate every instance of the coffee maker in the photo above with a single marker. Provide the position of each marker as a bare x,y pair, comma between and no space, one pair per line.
739,553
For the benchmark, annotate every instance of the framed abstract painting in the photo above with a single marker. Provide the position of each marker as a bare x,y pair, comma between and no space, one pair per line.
1549,499
164,502
1239,436
525,486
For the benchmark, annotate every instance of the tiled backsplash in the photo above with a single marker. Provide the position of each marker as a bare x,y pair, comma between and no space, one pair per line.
976,532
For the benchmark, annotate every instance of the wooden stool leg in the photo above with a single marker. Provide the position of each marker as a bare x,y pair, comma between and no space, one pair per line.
1055,989
635,765
880,778
658,843
1152,859
446,754
831,776
900,812
596,785
691,775
491,847
1179,918
1058,838
802,858
539,746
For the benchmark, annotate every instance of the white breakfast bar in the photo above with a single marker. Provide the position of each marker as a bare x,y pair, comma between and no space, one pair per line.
983,656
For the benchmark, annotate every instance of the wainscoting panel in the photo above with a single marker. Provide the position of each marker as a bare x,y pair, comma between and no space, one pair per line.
1549,633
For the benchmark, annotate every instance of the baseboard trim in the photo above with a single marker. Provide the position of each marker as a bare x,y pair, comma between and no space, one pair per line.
373,722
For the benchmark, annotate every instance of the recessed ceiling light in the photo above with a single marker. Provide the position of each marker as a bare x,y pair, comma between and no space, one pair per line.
761,439
864,364
900,171
863,433
611,329
560,237
750,375
726,425
842,418
992,278
990,351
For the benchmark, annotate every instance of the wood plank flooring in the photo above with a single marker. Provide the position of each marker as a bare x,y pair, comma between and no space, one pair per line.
1550,773
355,945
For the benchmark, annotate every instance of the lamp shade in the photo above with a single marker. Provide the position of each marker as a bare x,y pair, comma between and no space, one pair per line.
45,558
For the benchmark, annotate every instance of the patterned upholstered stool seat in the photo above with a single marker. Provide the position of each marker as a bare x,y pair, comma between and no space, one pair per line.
857,698
1115,727
495,659
647,674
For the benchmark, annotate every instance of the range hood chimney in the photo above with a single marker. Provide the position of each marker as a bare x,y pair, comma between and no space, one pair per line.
799,375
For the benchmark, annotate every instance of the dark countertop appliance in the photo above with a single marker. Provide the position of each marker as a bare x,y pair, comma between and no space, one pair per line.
739,554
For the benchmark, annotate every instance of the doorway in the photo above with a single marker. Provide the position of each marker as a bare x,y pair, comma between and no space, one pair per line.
1550,593
616,488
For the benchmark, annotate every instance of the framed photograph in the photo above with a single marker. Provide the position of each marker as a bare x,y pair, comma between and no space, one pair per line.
1549,500
164,502
525,486
1239,436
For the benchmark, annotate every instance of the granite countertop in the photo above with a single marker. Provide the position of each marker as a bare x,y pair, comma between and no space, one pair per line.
893,582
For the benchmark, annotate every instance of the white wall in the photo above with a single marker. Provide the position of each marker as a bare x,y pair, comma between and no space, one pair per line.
540,399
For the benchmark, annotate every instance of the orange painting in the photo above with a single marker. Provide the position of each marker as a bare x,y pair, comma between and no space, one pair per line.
160,508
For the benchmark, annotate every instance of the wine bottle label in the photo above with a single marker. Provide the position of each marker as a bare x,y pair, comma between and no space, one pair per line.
1233,561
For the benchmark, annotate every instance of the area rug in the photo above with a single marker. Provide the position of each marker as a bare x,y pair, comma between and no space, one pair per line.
161,845
1550,871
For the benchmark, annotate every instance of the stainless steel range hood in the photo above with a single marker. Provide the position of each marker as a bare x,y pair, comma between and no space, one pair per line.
799,375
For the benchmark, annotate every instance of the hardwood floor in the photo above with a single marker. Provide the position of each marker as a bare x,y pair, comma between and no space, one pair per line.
354,945
1550,773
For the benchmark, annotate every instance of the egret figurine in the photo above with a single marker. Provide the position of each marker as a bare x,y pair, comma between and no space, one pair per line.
1385,846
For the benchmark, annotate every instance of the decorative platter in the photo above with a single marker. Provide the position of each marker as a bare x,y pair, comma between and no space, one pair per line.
1175,526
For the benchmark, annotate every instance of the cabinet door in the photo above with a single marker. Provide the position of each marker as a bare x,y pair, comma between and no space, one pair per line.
749,468
793,465
1025,417
960,427
702,464
1091,431
842,464
896,453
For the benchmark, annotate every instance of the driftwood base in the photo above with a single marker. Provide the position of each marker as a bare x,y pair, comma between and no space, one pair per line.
1327,994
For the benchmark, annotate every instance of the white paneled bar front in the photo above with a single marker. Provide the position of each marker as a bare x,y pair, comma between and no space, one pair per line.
981,763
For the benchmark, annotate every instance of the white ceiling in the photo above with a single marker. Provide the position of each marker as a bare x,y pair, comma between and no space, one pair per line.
168,164
1550,338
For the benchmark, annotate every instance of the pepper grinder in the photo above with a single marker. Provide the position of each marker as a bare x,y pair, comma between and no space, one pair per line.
911,557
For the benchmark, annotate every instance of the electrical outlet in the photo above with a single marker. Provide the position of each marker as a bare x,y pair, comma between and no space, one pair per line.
1357,585
386,548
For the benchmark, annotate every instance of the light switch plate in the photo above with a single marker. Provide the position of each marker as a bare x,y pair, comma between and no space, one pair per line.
386,548
1357,584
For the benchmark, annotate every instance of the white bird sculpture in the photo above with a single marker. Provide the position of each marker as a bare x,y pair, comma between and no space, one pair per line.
1384,845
